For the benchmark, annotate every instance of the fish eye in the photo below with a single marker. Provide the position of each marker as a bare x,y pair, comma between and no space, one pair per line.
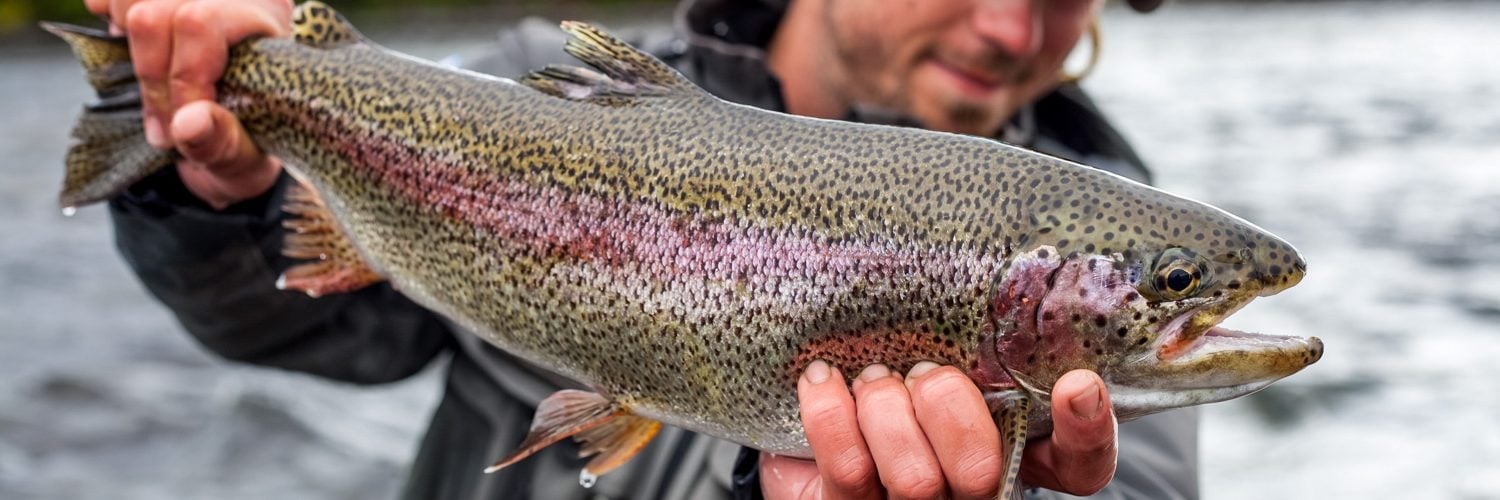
1179,274
1179,280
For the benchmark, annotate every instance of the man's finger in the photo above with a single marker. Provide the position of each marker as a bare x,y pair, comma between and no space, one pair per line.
223,164
957,423
148,24
202,34
97,7
1079,457
838,446
907,465
116,10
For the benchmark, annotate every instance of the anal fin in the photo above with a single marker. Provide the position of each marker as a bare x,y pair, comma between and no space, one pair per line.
1012,409
335,266
605,430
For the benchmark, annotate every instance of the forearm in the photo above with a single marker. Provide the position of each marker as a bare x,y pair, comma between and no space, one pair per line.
216,271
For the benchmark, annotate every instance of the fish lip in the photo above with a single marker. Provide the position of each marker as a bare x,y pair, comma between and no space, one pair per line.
1196,333
1185,332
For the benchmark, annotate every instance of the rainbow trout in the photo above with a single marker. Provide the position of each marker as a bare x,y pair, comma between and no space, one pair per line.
686,257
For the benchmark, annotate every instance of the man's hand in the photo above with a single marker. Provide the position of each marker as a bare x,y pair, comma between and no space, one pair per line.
179,49
931,435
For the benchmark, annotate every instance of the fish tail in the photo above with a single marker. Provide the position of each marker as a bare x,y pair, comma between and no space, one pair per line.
110,151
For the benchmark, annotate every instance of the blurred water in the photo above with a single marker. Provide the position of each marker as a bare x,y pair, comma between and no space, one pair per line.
1366,133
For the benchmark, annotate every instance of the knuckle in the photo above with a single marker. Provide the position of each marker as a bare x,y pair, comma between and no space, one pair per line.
849,473
193,15
1086,442
1086,486
977,474
147,17
915,483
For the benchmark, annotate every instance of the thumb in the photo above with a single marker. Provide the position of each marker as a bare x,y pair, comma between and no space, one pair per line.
783,477
224,164
1083,435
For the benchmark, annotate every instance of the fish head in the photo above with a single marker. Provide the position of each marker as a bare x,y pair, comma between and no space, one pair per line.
1137,296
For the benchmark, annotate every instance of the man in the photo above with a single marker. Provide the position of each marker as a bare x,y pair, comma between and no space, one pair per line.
204,237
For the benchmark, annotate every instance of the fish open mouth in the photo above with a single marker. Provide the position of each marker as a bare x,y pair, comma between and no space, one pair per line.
1195,361
1197,333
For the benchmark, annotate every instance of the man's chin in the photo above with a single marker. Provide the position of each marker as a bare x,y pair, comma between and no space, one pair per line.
962,117
944,104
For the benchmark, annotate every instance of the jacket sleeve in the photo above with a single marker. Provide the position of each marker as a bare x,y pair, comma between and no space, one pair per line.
216,271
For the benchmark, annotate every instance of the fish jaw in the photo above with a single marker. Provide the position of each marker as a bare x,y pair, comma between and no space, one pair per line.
1194,361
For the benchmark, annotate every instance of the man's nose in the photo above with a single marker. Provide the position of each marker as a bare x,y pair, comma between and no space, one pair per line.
1014,25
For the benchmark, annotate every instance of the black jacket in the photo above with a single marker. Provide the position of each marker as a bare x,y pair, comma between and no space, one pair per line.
216,271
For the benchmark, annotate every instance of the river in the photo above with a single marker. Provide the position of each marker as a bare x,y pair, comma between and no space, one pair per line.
1366,133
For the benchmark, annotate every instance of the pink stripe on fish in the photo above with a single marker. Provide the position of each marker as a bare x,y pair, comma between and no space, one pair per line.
554,221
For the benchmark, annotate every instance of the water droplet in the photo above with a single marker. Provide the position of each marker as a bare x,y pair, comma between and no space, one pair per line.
586,479
69,211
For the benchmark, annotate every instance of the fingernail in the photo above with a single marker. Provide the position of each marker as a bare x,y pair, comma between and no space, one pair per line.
1087,405
817,372
919,370
874,372
154,133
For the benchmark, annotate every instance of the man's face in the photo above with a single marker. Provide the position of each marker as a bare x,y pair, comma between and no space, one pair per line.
956,65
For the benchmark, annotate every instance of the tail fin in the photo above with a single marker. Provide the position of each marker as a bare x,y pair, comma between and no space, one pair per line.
110,152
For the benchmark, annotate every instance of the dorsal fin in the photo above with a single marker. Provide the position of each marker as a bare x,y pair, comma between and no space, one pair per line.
315,24
623,71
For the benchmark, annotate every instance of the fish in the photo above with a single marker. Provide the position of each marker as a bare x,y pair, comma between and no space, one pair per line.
685,257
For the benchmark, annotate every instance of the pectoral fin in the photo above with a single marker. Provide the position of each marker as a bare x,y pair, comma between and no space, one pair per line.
605,430
1011,409
336,265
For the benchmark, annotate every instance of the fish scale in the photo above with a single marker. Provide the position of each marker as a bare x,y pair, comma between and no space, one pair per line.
686,257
